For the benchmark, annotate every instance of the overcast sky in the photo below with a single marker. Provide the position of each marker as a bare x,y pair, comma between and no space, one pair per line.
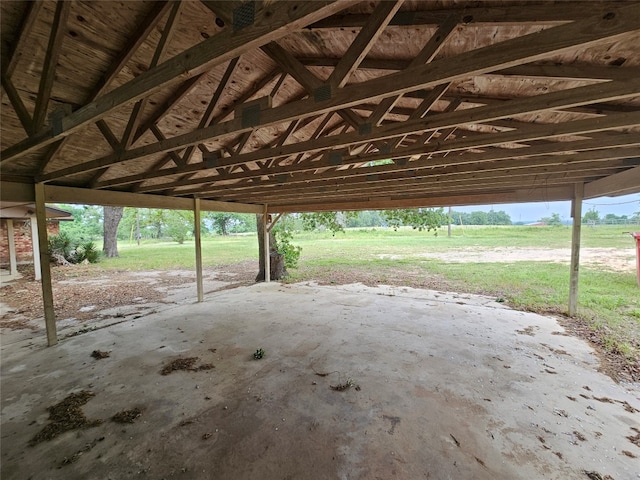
530,212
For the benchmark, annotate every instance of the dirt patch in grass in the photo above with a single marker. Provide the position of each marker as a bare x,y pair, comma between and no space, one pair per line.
66,415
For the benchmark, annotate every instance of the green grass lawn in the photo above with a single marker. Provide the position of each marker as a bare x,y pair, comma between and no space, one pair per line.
609,301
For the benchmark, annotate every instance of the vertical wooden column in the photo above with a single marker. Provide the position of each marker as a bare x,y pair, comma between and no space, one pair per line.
13,262
576,214
35,246
198,233
45,265
267,249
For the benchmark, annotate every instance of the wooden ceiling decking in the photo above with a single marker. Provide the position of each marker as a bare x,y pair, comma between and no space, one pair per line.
323,105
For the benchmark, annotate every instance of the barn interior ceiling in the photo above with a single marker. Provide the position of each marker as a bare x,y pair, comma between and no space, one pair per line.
323,105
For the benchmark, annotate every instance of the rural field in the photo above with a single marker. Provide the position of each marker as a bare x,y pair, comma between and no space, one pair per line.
524,267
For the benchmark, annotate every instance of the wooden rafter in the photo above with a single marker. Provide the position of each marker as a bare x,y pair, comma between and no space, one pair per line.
271,22
50,62
521,177
601,158
17,104
359,48
506,54
30,16
532,133
578,96
161,49
515,15
428,53
142,32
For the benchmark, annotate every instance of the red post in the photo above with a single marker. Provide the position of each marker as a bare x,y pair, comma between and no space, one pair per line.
636,235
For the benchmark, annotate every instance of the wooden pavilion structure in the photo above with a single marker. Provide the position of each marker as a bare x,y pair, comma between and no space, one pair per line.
288,106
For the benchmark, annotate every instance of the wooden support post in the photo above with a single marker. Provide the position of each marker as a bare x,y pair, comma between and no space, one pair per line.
576,213
45,265
198,234
35,248
267,249
13,263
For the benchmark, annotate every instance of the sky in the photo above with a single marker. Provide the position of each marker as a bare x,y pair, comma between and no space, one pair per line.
531,212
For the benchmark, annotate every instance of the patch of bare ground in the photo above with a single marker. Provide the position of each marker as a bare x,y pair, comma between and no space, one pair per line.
80,291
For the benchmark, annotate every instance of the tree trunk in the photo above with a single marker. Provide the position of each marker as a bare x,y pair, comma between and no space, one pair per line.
277,260
112,217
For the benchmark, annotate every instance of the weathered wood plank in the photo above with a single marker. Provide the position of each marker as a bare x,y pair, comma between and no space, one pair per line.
359,48
497,160
31,14
577,96
50,62
502,55
272,21
17,104
621,183
437,200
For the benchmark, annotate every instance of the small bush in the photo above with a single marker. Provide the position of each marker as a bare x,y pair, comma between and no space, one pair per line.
73,250
290,251
60,244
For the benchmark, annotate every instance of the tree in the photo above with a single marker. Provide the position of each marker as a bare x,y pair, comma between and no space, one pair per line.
498,218
224,223
478,218
592,216
419,219
87,222
273,248
553,220
178,224
112,217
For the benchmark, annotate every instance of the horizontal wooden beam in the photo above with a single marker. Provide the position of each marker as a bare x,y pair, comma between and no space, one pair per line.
489,185
550,71
514,196
494,57
362,175
531,133
573,97
274,20
438,178
509,15
24,192
619,184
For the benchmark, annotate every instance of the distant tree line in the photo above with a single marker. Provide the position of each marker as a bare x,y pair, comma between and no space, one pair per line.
481,218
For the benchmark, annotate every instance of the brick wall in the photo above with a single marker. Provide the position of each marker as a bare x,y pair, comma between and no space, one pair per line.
22,237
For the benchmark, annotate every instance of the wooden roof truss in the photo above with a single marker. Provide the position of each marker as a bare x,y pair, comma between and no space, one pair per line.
322,105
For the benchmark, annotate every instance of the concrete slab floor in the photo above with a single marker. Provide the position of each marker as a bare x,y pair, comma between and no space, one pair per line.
449,387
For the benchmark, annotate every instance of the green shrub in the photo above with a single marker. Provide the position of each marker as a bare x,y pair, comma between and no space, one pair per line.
73,250
61,244
290,251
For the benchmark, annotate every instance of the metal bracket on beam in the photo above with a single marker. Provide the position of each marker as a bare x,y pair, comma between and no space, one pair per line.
364,128
244,15
322,93
335,158
211,159
250,112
